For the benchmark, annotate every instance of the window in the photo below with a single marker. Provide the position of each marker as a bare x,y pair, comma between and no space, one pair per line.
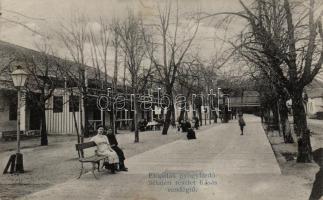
57,104
13,110
74,103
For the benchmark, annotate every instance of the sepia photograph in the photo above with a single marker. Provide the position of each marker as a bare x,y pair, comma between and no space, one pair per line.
161,99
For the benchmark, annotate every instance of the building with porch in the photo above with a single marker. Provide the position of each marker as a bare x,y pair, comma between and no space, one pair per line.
63,108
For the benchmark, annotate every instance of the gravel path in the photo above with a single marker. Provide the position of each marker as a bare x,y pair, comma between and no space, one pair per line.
58,162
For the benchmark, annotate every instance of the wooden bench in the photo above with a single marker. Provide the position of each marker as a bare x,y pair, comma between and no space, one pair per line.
10,135
94,159
33,133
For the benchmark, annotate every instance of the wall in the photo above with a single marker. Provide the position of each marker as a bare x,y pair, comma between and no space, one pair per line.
5,123
63,122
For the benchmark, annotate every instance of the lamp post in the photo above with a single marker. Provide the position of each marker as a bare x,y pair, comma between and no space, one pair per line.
158,103
19,78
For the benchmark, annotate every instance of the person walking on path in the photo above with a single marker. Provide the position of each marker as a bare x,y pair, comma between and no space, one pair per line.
241,121
234,114
114,145
103,148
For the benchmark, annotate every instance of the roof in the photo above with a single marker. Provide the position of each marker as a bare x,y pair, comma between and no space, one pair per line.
12,55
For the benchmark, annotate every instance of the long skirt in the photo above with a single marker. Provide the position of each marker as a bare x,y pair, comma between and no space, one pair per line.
112,156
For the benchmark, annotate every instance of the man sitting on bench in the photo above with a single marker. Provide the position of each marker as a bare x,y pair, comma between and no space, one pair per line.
114,145
103,148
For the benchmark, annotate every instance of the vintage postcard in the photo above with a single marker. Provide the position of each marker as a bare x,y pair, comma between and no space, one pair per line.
161,100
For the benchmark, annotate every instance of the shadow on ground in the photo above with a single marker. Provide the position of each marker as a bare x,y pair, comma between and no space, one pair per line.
317,191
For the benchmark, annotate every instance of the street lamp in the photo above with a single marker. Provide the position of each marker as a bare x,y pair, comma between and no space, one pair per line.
158,103
19,78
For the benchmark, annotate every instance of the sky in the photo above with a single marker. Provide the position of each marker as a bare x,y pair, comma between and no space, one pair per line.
46,16
26,22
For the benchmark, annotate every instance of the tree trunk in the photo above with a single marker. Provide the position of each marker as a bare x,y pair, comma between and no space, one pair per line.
135,120
81,119
199,110
76,128
275,118
300,127
75,122
280,124
43,128
181,116
169,112
114,118
167,120
86,117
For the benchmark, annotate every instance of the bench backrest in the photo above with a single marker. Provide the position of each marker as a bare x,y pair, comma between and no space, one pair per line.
80,147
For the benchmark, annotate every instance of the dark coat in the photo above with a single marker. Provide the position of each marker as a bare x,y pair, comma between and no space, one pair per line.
112,139
114,145
241,121
191,134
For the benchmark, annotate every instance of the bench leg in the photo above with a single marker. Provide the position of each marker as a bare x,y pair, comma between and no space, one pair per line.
81,171
93,169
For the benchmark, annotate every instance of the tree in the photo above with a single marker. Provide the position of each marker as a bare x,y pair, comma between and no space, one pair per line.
74,37
44,77
273,98
187,84
100,43
132,43
115,44
172,46
294,52
302,56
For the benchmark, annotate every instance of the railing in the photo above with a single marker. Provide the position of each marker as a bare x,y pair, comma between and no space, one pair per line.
245,101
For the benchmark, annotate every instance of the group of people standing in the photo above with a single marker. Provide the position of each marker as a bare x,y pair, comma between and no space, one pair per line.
185,125
107,145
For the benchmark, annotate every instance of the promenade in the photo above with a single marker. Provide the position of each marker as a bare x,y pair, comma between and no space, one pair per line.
220,164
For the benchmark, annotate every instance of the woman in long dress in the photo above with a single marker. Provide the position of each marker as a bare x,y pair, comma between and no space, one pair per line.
103,148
